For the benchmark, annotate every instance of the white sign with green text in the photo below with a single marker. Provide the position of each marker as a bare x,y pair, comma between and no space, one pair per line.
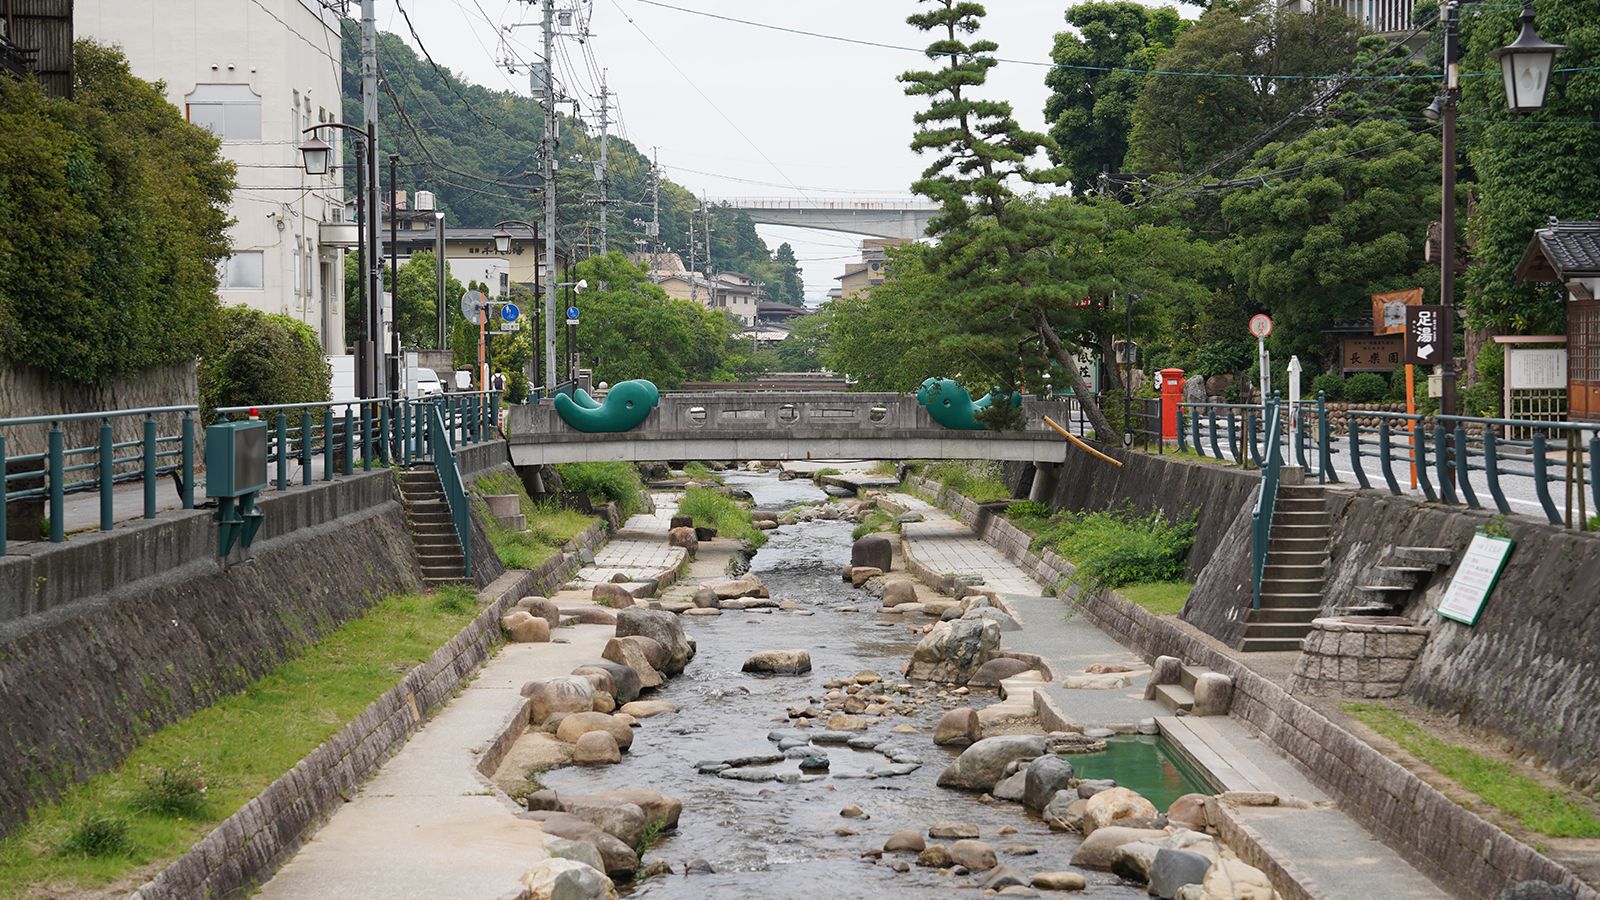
1475,578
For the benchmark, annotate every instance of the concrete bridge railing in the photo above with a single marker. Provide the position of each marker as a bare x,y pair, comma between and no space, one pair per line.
782,425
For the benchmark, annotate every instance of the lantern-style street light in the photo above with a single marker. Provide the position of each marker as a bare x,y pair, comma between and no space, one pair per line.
317,157
1526,65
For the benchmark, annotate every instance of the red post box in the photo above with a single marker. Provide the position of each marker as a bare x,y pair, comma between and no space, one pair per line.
1171,396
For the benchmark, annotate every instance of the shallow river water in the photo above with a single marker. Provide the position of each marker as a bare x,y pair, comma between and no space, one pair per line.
772,840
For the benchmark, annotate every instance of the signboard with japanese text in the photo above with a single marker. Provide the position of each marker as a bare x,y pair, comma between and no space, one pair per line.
1475,578
1389,310
1536,368
1372,354
1428,335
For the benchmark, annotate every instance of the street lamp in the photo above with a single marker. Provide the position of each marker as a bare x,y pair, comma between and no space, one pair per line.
316,156
577,287
502,244
1526,65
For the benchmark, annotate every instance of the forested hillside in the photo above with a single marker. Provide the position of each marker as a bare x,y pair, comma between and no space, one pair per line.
478,150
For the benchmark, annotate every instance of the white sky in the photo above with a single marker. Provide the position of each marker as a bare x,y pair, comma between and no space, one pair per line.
827,117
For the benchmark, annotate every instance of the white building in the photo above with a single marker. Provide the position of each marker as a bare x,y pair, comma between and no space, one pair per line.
1388,17
255,73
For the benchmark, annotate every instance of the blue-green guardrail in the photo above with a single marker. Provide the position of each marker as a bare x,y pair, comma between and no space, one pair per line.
443,455
1261,516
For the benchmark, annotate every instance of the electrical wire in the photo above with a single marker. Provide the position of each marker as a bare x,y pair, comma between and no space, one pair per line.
449,80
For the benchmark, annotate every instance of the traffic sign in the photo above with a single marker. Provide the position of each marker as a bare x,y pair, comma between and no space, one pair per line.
471,302
572,314
1427,333
1260,325
509,312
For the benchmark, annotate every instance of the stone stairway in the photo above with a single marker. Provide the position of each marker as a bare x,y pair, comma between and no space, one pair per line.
1179,697
432,534
1398,574
1297,565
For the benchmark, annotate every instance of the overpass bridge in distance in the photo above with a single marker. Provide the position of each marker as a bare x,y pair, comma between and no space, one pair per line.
902,218
784,425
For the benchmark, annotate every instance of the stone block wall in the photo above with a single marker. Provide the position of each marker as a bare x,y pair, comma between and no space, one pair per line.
26,391
1352,659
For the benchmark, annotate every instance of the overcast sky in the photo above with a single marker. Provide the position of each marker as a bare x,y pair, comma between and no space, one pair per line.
753,112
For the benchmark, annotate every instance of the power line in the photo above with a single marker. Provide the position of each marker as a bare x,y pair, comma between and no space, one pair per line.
449,81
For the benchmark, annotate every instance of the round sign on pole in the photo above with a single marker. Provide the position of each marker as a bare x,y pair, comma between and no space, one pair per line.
470,303
509,312
572,312
1260,325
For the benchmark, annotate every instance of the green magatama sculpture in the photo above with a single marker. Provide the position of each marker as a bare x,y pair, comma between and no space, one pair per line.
625,406
951,406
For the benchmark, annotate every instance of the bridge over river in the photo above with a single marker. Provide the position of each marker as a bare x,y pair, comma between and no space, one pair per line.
783,425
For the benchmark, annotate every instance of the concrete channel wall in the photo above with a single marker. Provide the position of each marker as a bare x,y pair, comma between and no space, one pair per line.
1459,850
108,637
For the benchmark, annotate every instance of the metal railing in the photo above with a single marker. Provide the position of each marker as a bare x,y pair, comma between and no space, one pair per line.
1242,433
455,493
331,433
1266,500
55,472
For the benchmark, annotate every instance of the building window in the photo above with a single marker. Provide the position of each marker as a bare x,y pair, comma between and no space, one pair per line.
241,271
232,112
297,269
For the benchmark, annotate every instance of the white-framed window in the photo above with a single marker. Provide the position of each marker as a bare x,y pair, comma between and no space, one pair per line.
232,112
294,119
241,271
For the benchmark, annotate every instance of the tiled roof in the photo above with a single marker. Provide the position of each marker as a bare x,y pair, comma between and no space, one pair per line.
1562,251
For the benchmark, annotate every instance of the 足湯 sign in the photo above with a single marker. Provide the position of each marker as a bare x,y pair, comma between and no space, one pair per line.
1429,340
1475,578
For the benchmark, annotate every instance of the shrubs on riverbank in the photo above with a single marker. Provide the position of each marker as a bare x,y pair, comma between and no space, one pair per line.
549,526
1112,548
605,482
980,482
709,507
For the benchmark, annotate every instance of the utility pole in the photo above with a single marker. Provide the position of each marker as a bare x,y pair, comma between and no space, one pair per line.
655,204
548,145
1447,214
374,380
605,173
711,286
397,379
694,272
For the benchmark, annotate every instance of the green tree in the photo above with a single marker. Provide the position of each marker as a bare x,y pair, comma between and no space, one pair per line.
1182,123
890,339
632,329
112,221
1090,108
257,358
1528,168
790,288
1310,249
802,350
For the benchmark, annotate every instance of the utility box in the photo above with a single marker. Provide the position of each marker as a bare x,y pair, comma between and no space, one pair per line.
236,458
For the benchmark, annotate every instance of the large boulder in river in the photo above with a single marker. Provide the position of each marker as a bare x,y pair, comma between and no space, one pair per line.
662,627
623,678
619,858
983,764
619,818
996,670
1099,850
779,662
657,806
872,551
628,652
954,651
579,724
1042,779
898,592
733,588
552,696
959,727
565,879
1113,805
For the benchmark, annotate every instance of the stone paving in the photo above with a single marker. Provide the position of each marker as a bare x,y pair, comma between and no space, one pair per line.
637,551
949,547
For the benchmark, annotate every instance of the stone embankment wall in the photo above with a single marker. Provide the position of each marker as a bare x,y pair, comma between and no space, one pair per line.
108,637
26,392
1460,851
245,849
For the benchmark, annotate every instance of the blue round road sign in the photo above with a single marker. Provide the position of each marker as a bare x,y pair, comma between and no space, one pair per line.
572,312
509,312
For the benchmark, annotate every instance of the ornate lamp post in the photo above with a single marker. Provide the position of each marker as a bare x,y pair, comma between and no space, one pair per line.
1526,65
316,156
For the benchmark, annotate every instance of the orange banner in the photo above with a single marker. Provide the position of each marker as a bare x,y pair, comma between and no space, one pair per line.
1389,310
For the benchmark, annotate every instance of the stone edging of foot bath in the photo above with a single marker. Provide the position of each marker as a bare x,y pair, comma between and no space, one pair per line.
1453,846
244,850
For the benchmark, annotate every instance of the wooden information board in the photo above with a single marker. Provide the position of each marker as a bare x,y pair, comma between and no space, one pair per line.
1475,578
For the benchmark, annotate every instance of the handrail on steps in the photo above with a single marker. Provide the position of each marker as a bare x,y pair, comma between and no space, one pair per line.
1261,517
455,493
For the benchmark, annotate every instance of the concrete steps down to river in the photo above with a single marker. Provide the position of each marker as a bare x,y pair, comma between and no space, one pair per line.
432,532
1295,573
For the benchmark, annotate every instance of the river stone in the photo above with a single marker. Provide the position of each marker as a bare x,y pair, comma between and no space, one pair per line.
706,598
618,818
975,855
1043,778
988,613
600,679
959,726
631,653
1110,806
981,765
748,586
873,551
991,673
589,615
566,879
1064,812
935,856
552,696
753,775
1189,811
579,724
1132,862
623,678
661,627
1003,877
904,842
596,748
949,829
815,762
1172,869
1059,881
644,709
779,662
620,860
860,575
1099,849
524,628
1213,694
1232,879
686,538
612,595
954,651
898,592
658,807
581,851
1091,786
1010,787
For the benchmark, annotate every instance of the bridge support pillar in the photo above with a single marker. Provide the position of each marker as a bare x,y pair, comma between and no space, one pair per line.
1045,476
